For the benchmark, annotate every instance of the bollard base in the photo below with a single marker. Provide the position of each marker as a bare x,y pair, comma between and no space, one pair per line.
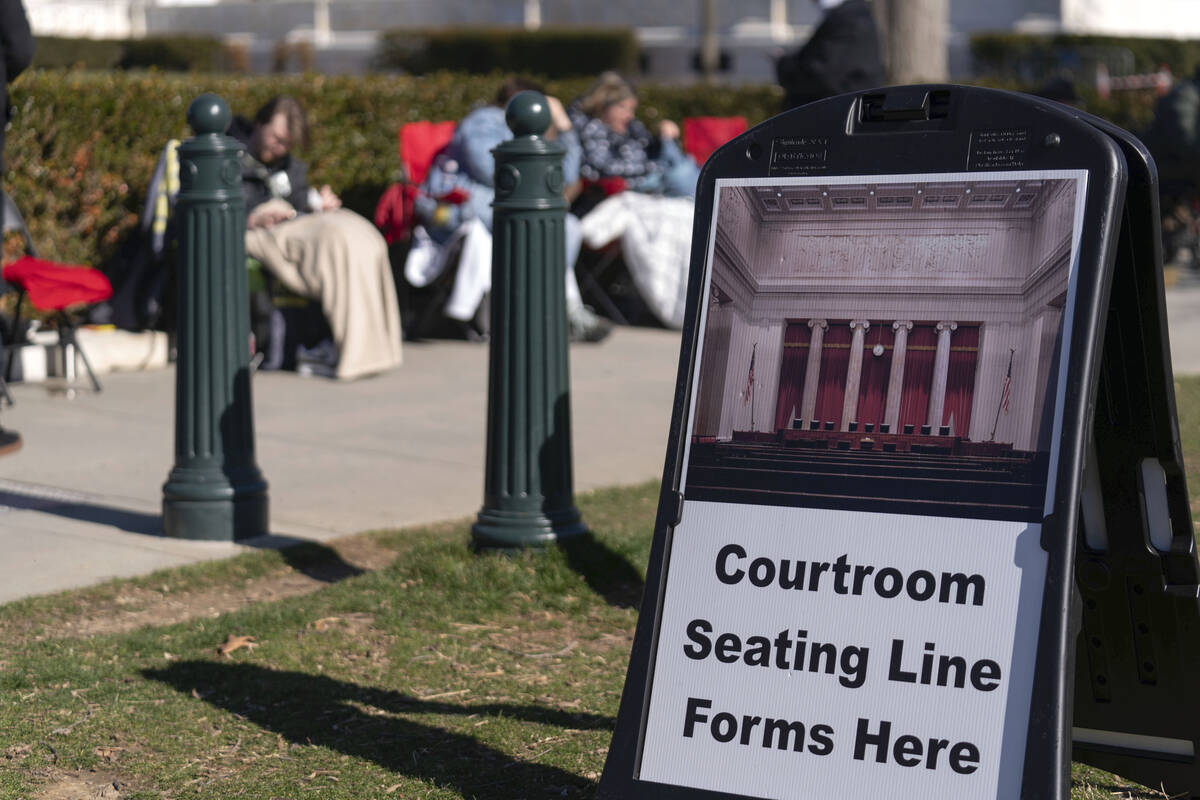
518,530
216,520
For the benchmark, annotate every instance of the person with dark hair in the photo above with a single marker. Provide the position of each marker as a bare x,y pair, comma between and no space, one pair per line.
270,171
16,53
315,248
617,145
842,55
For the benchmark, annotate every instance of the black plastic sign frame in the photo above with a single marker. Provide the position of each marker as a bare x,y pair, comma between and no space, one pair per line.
912,145
1136,696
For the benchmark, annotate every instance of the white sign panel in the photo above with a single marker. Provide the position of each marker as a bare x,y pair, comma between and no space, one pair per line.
807,653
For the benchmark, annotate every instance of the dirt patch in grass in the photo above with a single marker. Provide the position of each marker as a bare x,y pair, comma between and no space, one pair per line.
83,785
139,606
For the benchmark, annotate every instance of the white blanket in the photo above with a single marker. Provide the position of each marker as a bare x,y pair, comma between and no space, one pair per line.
340,259
427,260
656,242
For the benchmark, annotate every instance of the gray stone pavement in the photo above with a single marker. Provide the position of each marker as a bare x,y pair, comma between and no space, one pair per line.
80,502
1183,319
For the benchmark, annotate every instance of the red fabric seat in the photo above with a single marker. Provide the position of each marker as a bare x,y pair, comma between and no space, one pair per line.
703,135
420,142
52,286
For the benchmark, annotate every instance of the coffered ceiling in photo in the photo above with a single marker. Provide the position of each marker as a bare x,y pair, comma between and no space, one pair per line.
784,203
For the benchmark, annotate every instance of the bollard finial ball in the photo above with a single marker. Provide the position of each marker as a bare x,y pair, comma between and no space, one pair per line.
208,113
528,114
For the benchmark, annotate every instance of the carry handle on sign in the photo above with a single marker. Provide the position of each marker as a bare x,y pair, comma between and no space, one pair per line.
862,579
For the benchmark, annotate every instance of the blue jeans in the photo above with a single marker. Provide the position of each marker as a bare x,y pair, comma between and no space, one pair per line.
678,176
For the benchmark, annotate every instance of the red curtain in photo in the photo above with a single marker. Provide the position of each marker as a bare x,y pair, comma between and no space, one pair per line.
960,379
918,376
876,369
835,357
796,339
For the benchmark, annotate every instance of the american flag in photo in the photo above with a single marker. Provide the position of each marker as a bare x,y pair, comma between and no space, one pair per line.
750,376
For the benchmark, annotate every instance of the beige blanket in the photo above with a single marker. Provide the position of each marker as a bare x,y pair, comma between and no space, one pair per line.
341,260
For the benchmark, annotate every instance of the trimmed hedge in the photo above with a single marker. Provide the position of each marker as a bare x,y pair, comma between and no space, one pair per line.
553,52
171,53
83,144
1025,56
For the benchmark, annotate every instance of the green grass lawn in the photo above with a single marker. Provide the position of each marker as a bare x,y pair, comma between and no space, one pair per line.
439,674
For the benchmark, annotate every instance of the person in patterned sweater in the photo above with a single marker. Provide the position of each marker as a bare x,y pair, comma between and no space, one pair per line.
617,145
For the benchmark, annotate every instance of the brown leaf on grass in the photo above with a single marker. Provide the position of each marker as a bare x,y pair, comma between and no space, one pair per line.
324,773
233,642
392,788
324,622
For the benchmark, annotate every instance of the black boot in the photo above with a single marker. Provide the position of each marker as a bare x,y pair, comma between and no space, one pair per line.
10,442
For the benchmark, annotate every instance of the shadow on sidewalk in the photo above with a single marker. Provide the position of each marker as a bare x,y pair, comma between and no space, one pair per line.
607,572
126,520
363,722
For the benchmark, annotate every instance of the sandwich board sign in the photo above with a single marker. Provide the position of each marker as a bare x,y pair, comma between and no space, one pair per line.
863,574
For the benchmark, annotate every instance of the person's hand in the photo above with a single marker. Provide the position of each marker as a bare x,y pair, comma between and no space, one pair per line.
559,120
668,130
329,200
270,213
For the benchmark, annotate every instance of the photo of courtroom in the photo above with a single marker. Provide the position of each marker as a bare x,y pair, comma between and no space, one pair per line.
886,346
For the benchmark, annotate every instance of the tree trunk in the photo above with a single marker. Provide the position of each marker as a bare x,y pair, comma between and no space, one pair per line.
913,36
710,48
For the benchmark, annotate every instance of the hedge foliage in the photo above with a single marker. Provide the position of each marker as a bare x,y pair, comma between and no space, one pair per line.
83,144
553,51
1022,56
171,53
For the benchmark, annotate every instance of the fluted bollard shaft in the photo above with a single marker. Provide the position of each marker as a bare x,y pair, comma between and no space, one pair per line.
528,493
215,490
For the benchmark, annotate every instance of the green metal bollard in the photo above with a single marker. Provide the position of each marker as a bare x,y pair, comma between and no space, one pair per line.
528,494
215,490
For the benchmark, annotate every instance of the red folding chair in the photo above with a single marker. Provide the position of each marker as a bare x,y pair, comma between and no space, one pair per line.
419,143
703,135
50,286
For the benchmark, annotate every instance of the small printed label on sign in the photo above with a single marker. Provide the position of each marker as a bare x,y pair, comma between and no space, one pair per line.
1005,148
799,155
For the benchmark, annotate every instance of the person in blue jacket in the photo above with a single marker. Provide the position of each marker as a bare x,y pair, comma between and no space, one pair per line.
461,186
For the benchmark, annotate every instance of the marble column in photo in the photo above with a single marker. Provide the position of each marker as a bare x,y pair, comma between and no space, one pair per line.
941,370
891,411
812,370
858,328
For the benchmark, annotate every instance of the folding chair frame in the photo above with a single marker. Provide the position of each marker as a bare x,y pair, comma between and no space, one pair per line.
68,342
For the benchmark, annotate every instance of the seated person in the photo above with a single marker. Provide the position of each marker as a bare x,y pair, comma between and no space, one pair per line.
616,145
464,171
315,248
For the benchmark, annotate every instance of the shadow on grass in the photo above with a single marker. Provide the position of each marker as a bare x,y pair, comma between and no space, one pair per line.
318,561
359,721
607,572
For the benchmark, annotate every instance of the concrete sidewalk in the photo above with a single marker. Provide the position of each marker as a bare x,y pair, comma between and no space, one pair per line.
80,503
